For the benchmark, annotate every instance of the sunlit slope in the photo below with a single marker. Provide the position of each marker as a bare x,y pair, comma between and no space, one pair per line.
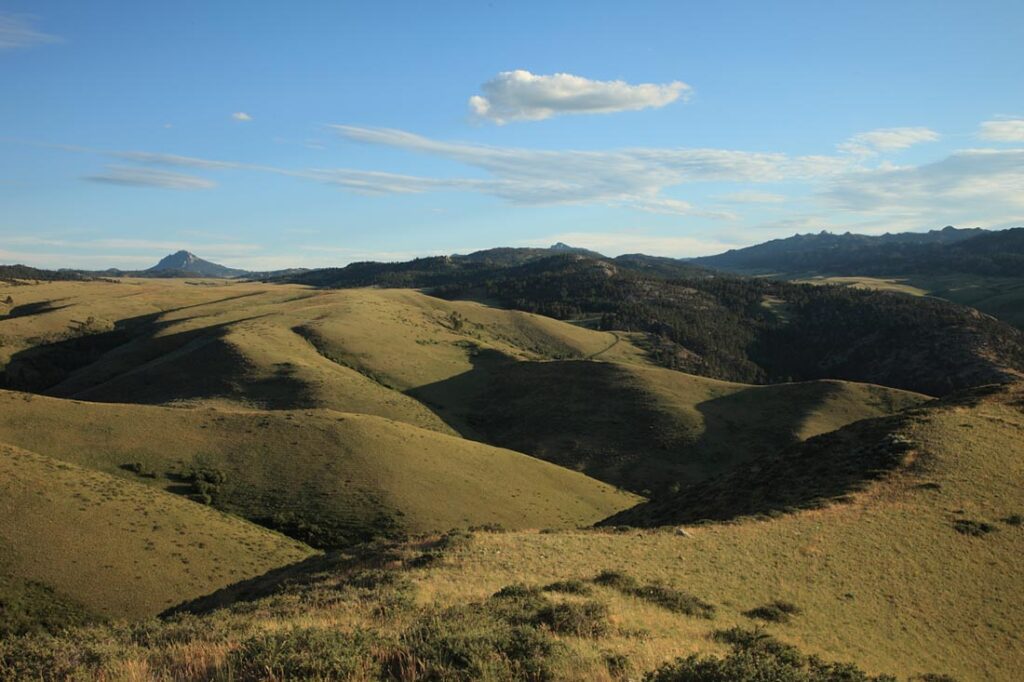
886,580
644,428
266,346
408,340
351,475
113,547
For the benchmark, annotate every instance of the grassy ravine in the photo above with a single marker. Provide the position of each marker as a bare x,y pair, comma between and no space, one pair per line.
360,616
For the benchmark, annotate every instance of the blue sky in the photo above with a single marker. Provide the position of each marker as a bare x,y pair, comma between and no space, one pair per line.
272,134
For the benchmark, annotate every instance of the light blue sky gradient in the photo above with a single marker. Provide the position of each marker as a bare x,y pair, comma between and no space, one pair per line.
361,142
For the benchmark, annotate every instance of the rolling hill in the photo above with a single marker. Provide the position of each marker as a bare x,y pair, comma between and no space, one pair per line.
326,477
732,328
99,546
939,596
643,428
454,367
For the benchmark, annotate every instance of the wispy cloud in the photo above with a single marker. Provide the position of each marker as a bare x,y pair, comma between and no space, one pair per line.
972,186
1003,130
241,116
752,198
632,177
17,31
130,244
887,140
148,177
522,96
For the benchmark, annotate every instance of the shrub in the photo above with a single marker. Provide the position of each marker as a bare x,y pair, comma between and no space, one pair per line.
573,586
1014,520
616,579
45,657
518,604
973,528
757,657
675,600
669,598
776,612
139,469
467,643
619,666
312,653
587,619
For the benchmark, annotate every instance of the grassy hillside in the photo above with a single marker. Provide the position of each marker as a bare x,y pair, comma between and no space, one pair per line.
940,594
644,428
99,545
324,476
276,347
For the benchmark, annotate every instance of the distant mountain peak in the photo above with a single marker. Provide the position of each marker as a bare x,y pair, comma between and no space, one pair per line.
190,264
562,246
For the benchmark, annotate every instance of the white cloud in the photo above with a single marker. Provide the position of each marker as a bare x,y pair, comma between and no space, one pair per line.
148,177
1003,130
158,159
968,187
16,31
241,116
887,140
618,243
522,96
752,198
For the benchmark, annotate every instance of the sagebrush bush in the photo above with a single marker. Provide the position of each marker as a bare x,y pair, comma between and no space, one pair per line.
472,643
586,619
757,657
303,654
669,598
573,586
973,528
777,611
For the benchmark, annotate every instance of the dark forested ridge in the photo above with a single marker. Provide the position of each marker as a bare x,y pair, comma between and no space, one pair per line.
727,327
939,252
24,272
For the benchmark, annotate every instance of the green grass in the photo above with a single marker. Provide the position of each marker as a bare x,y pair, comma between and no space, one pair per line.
80,543
352,476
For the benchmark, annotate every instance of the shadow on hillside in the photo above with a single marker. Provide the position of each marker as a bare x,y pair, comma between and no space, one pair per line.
139,361
456,400
333,571
823,470
30,309
602,420
755,422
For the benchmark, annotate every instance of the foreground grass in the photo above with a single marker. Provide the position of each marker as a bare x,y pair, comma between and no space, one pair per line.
358,616
884,584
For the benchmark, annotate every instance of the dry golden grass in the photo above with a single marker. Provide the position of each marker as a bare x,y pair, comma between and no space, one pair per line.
886,582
